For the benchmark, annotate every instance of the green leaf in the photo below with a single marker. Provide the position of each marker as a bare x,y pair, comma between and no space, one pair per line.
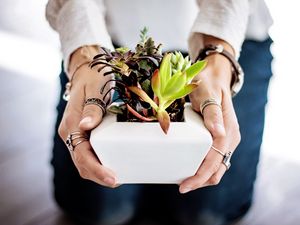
115,109
185,91
146,86
165,70
143,95
195,69
143,35
164,120
122,50
155,83
168,103
143,64
175,84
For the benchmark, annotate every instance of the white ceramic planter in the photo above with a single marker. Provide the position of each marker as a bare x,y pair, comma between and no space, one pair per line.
142,153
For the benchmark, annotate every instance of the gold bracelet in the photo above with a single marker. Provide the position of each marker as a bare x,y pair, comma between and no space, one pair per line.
66,95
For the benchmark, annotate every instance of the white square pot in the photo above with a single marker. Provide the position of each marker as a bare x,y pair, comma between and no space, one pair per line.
139,152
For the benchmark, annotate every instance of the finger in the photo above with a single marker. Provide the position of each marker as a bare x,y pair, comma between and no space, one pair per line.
213,120
90,168
72,113
216,178
209,166
92,114
91,117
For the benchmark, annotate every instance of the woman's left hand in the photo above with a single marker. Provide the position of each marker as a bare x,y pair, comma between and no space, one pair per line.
220,121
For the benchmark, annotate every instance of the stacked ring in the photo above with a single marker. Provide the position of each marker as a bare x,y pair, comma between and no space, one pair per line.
74,136
207,102
98,102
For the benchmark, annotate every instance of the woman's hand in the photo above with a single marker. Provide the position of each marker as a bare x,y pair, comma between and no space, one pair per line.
86,83
221,122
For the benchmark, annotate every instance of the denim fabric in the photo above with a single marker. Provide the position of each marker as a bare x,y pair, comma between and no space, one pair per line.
90,203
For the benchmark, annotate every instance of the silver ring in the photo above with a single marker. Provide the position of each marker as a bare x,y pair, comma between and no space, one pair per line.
226,160
207,102
79,142
73,136
226,157
98,102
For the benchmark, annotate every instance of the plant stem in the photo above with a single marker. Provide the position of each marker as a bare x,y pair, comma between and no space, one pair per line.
136,114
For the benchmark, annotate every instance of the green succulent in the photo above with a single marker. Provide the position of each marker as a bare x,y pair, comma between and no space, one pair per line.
179,63
151,86
168,86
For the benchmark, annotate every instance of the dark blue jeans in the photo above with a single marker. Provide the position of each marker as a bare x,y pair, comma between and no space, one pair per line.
90,203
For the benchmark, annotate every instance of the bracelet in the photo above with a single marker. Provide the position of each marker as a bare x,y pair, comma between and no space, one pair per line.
86,55
237,72
66,95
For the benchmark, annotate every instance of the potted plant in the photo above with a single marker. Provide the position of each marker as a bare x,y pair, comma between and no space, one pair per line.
151,89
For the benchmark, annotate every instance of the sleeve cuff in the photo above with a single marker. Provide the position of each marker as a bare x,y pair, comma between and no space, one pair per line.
224,22
79,23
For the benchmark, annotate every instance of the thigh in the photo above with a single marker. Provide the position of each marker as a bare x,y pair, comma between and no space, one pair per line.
232,197
83,200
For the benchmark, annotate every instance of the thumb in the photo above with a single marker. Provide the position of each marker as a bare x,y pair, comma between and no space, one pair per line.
213,120
91,117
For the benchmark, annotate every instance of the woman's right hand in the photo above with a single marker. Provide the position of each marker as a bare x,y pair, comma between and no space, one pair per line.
79,117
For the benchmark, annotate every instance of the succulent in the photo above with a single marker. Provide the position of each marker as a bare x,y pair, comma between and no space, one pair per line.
169,86
151,86
179,63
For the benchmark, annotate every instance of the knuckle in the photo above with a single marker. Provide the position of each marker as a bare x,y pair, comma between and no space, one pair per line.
197,177
236,133
195,106
214,180
92,111
61,131
89,110
215,167
99,174
83,173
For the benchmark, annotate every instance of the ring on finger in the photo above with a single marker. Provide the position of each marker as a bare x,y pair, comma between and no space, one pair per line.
226,157
98,102
226,160
219,151
207,102
74,136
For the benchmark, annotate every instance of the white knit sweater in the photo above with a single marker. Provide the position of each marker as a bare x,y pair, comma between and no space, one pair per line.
171,22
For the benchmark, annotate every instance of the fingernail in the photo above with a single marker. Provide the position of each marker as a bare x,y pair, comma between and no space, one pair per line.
185,190
86,120
109,180
219,128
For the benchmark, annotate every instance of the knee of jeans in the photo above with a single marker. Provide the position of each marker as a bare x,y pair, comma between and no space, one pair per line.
117,215
203,218
104,215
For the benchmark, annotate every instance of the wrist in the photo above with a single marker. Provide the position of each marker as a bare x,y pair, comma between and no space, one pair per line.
211,40
81,56
236,74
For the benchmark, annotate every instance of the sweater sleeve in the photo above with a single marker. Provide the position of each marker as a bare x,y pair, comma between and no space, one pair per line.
78,23
225,19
